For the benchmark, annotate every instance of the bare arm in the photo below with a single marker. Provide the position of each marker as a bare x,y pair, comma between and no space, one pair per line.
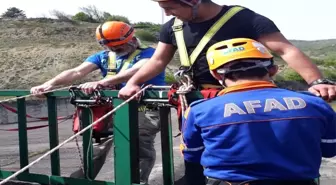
123,76
295,58
70,75
155,65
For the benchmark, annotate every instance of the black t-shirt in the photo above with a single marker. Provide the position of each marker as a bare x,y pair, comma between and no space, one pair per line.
245,23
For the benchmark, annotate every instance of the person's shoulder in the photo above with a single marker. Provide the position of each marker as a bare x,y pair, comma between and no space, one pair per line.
167,26
147,52
169,23
256,24
97,56
319,103
101,53
202,104
197,102
226,8
148,49
304,94
194,107
309,98
312,97
245,12
242,14
166,32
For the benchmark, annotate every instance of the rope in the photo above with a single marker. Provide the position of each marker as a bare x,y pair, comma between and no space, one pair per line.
72,137
185,88
30,95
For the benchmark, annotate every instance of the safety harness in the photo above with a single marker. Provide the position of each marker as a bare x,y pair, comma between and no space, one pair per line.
178,93
112,61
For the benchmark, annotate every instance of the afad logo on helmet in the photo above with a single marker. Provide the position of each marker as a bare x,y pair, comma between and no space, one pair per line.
257,45
232,50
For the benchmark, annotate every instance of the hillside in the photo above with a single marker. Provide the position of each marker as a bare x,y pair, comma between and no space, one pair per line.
318,48
34,50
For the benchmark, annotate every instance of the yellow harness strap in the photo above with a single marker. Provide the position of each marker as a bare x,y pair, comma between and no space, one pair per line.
112,62
112,65
178,30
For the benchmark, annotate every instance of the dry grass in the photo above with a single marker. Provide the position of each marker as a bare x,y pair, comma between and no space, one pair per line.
32,52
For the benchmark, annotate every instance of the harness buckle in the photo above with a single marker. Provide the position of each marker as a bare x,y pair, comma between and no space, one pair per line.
177,28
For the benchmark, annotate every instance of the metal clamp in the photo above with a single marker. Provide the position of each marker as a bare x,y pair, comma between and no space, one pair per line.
80,99
155,102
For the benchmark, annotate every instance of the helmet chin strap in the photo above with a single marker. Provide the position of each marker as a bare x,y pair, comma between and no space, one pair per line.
222,82
194,12
194,9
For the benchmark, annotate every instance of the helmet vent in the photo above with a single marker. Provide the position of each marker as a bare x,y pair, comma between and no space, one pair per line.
238,43
222,47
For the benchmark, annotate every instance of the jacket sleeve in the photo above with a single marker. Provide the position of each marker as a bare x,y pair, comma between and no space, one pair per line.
328,142
192,143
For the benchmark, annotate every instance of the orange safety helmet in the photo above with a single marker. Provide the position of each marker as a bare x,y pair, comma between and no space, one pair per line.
114,33
227,51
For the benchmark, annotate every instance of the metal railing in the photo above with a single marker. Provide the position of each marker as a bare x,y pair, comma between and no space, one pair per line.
125,129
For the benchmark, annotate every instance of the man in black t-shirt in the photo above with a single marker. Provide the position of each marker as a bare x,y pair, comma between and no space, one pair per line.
246,24
198,17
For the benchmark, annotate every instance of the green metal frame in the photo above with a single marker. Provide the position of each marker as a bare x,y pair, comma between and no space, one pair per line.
126,167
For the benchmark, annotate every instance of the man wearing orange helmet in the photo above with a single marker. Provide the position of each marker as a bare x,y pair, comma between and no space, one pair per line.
254,133
123,55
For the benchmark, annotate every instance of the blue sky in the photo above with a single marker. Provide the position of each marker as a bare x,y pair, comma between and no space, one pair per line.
297,19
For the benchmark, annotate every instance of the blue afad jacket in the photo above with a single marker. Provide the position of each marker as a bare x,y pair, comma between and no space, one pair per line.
263,133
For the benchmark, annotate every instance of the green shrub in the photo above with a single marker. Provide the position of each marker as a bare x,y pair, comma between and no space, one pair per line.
317,61
148,26
81,16
329,73
330,62
145,35
291,75
13,12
